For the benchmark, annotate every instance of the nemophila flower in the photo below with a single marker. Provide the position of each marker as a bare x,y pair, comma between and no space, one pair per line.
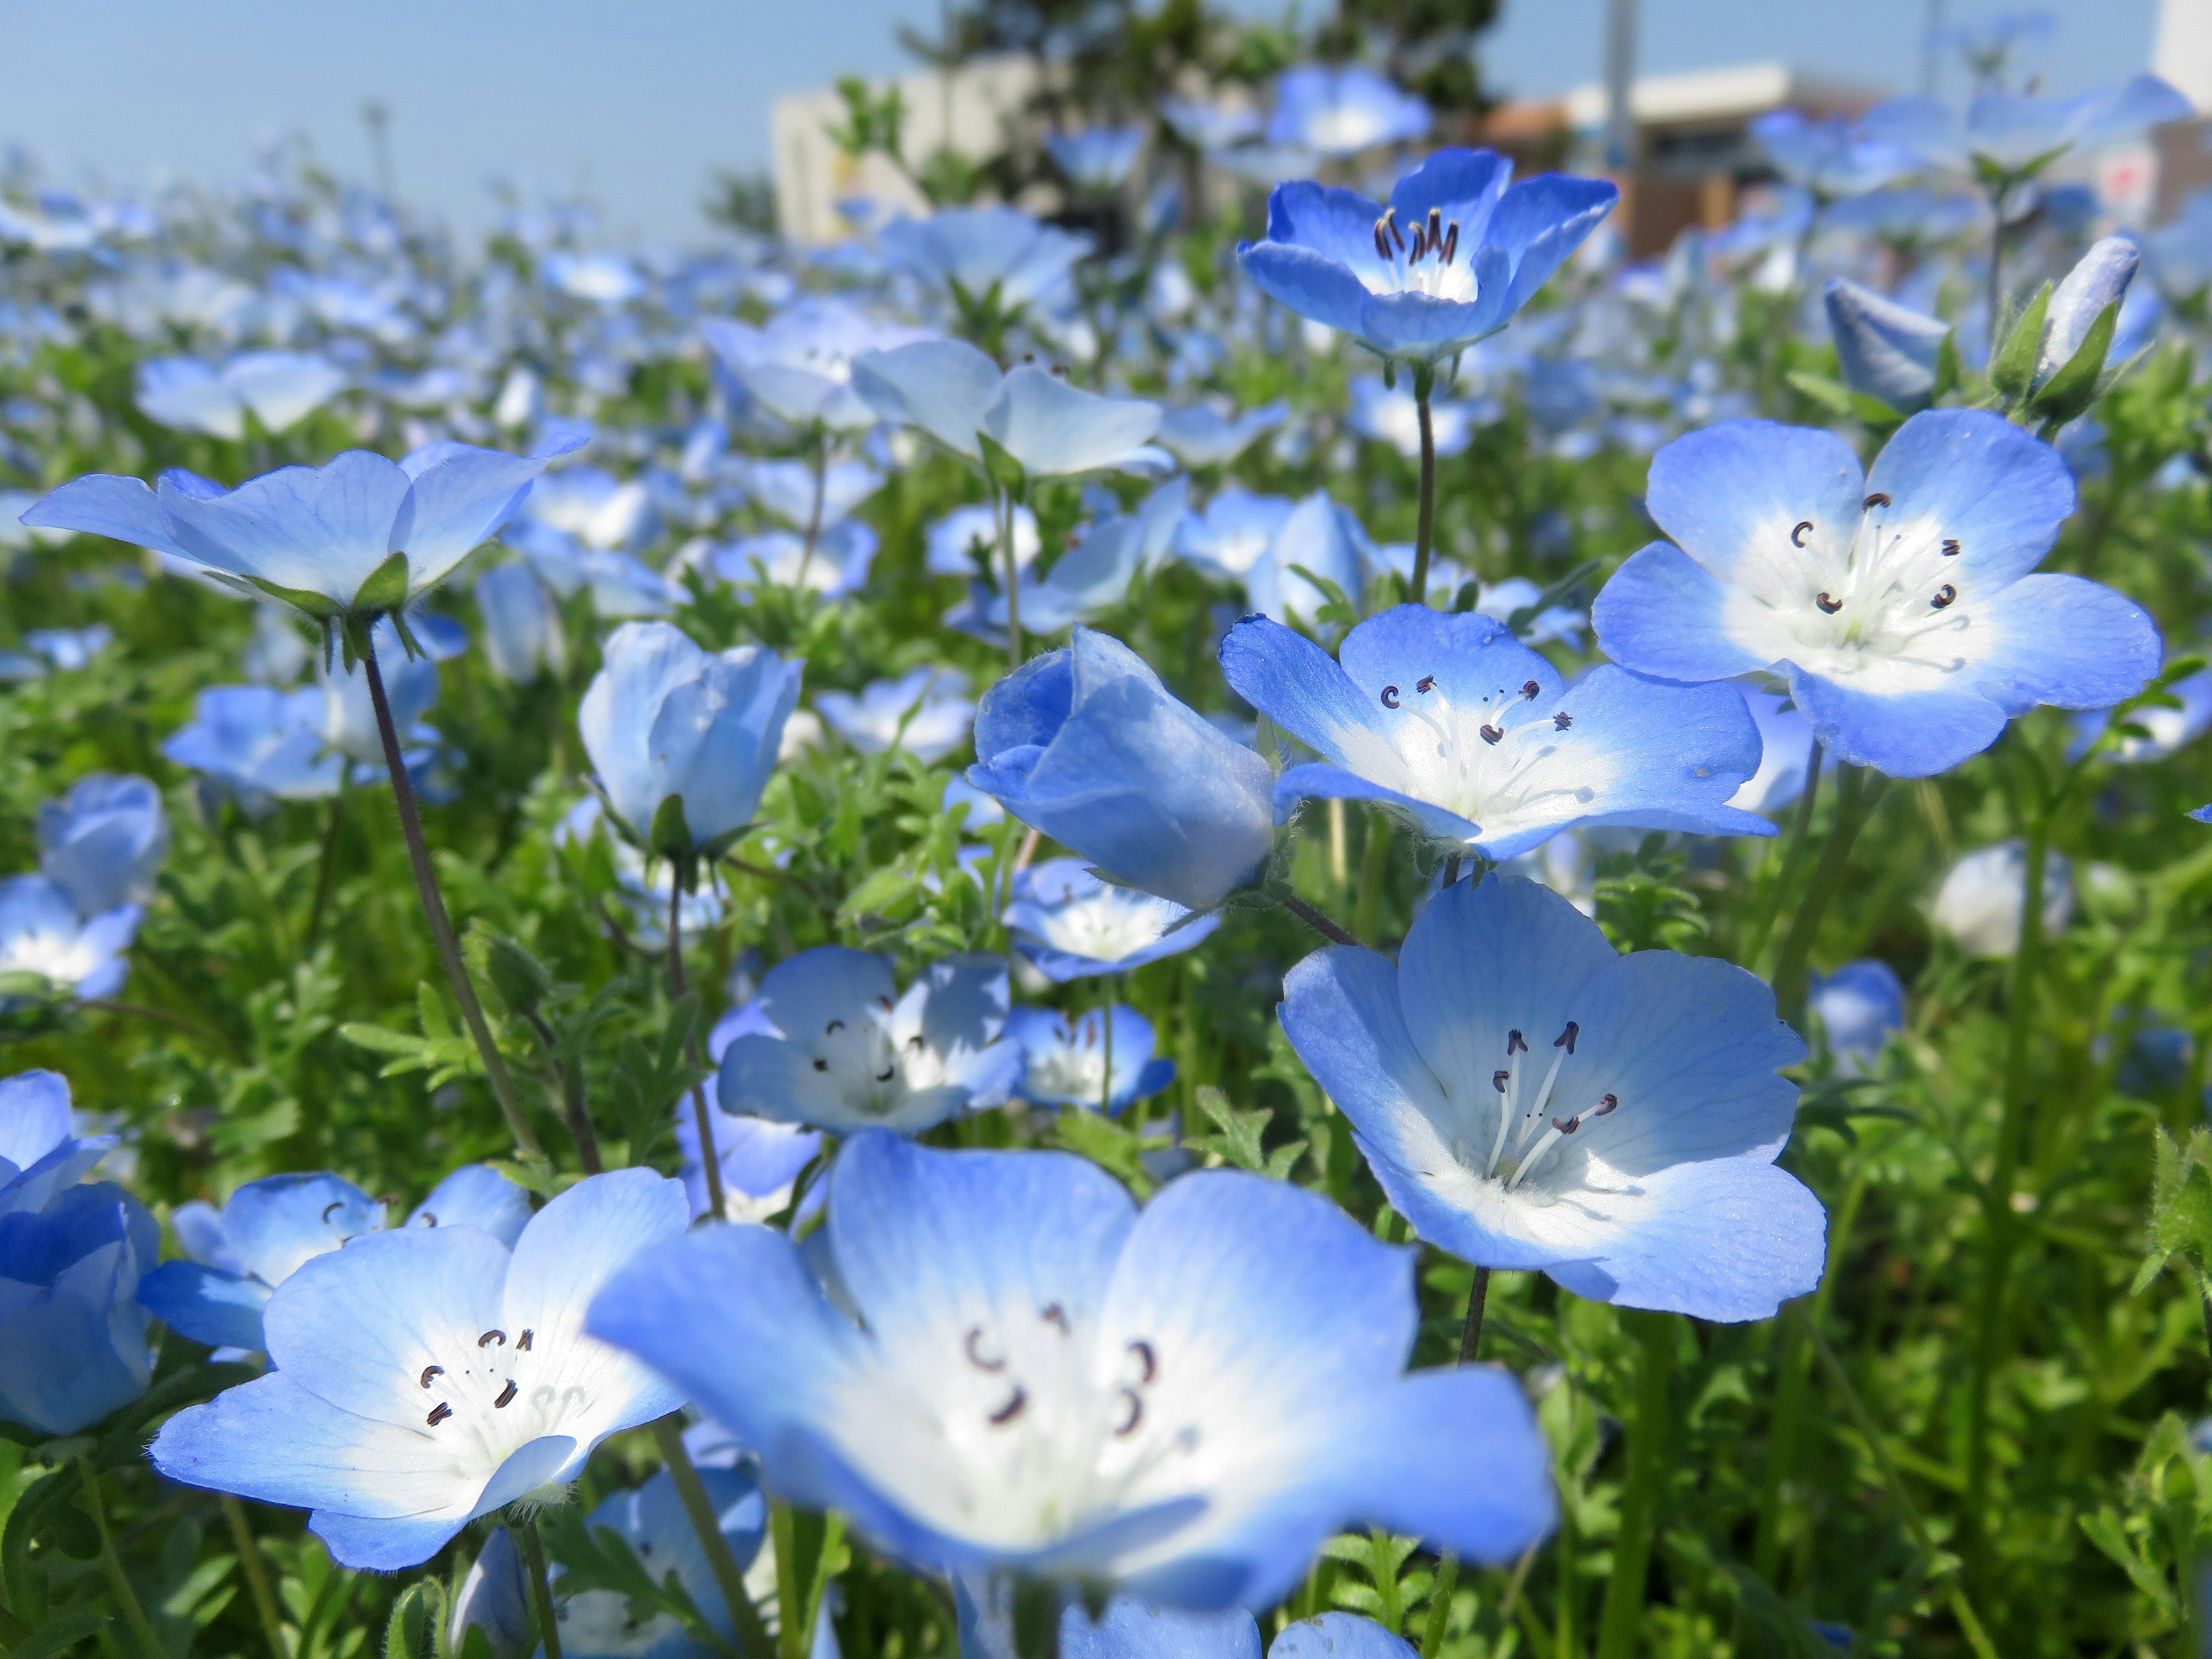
799,366
590,505
494,1597
1085,744
1201,435
1343,110
2165,729
1391,415
682,740
954,540
258,743
1984,894
1065,1062
1785,754
104,842
786,489
2014,134
836,1046
1070,925
523,635
1458,251
280,389
837,564
427,1375
1232,534
603,1624
979,251
1530,1099
48,947
1125,1628
1022,1374
1901,605
72,1343
361,535
410,687
1208,126
1860,1007
268,1230
762,1159
926,711
1474,737
2098,279
1050,428
1091,575
1097,158
605,279
1828,156
1884,349
51,650
643,885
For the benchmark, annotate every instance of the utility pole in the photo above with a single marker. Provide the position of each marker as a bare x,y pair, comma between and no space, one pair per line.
376,116
1619,114
1930,55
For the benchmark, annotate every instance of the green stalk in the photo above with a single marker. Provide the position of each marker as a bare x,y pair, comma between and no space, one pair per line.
441,927
323,862
1374,865
729,1577
1424,532
710,1157
1013,581
111,1565
541,1591
256,1569
1793,861
1622,1620
790,1607
1440,1600
1857,791
1106,1037
1470,1335
1999,1226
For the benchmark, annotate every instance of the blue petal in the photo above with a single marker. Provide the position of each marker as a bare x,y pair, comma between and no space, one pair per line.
1338,225
1732,495
1463,185
205,1304
1131,1630
279,1222
1314,782
1997,490
1395,648
2069,641
383,1546
1913,736
1295,683
1662,613
321,530
1542,220
476,1195
102,504
1340,1636
1312,284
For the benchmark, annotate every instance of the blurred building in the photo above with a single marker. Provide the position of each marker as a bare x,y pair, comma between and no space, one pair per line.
2179,157
1694,151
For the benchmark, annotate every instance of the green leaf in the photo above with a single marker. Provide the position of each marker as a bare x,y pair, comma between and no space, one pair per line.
1557,593
1000,467
385,588
1337,609
320,606
1947,371
411,1631
2013,368
2070,392
62,1632
1828,393
1108,1145
522,982
671,834
1238,1140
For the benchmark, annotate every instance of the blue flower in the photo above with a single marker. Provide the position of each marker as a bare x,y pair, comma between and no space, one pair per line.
493,1598
1065,1063
522,625
1785,754
269,1229
1085,744
72,1342
51,949
1983,897
1199,434
257,744
1828,156
2165,729
1125,1629
976,252
1860,1006
1472,737
1884,349
1182,1404
1097,158
762,1159
1341,112
1900,604
1528,1099
2016,134
1455,256
665,721
1092,575
280,389
837,564
315,536
2098,279
1339,1636
411,686
427,1375
926,711
839,1050
958,396
103,842
1232,535
799,366
599,1624
1391,414
1070,925
952,539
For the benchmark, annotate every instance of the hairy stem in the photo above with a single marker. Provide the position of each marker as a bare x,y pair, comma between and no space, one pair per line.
1622,1619
709,1159
110,1566
441,928
729,1577
1857,791
1470,1335
323,862
1424,532
1013,581
1793,861
1314,919
525,1527
255,1567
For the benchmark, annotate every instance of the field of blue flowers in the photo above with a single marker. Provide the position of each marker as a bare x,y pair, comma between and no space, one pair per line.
1280,912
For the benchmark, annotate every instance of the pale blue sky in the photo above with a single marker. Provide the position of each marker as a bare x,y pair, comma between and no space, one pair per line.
637,99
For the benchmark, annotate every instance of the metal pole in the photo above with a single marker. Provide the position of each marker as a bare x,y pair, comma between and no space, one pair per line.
1620,79
1931,60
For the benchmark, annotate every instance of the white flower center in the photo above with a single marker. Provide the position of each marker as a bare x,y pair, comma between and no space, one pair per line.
1107,926
877,1059
64,958
1424,261
488,1402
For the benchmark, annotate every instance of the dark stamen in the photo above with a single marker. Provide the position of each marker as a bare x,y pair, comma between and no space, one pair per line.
1435,225
439,1413
977,1359
821,1065
1944,595
1606,1103
1499,1079
1514,1040
490,1337
1490,733
832,1028
1012,1408
427,1218
1568,1127
1136,1412
915,1043
1566,1038
1562,720
336,1204
1451,240
1829,605
1390,697
1143,1353
1052,1313
430,1371
522,1342
1875,500
1950,547
886,1074
1419,248
1530,690
1382,242
507,1395
1797,536
1427,682
884,1003
1390,220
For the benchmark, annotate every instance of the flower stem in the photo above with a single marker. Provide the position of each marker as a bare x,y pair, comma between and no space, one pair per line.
1440,1600
1013,581
441,928
1793,861
1470,1335
1374,867
1314,919
111,1565
729,1577
1999,1223
323,862
1995,297
709,1159
1106,1038
814,515
1622,1619
1857,791
1424,532
541,1590
256,1569
790,1614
